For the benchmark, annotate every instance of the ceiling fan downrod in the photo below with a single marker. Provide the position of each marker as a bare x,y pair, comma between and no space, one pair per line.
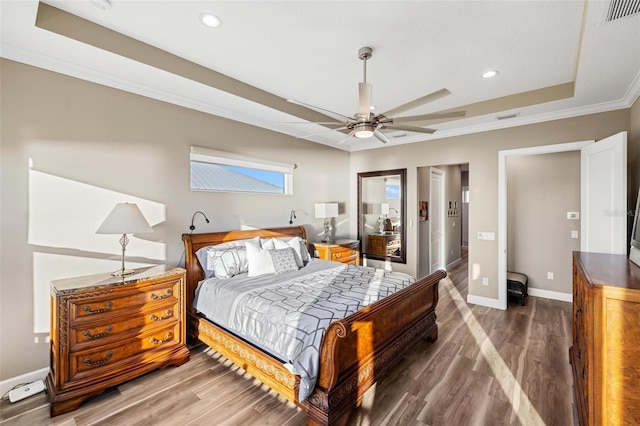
365,53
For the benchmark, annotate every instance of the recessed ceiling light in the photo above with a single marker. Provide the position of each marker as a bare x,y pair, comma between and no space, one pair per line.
490,73
211,20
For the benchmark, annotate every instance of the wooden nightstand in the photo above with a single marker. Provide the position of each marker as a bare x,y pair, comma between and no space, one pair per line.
106,330
343,251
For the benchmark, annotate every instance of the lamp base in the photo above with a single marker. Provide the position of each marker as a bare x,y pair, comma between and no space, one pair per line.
122,273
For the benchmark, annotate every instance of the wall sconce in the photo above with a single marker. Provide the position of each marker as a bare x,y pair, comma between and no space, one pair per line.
292,216
192,227
326,211
124,219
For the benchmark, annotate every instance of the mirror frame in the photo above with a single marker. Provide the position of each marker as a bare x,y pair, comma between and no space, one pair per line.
403,216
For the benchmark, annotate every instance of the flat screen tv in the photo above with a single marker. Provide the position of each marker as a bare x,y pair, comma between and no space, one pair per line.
634,253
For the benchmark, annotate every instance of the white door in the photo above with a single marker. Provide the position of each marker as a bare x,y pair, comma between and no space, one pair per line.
603,170
436,219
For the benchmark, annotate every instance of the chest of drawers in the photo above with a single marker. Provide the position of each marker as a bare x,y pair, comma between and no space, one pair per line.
343,251
106,330
606,339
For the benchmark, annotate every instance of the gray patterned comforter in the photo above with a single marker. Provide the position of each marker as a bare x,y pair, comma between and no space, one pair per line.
287,314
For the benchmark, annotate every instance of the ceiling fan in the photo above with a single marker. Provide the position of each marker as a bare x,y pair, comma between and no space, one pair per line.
365,124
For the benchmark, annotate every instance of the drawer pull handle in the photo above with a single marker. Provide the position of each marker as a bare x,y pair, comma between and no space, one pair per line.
168,314
579,354
338,255
157,342
98,362
98,311
167,293
106,332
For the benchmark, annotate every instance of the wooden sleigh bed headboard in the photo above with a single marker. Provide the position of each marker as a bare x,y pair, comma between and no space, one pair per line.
355,351
194,242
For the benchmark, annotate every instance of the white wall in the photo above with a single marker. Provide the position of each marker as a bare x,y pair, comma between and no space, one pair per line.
71,149
541,189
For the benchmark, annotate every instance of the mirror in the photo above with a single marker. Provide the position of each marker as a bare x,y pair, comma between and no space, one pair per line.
382,213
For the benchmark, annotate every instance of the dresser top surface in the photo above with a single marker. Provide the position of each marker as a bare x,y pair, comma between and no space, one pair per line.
337,243
614,270
98,281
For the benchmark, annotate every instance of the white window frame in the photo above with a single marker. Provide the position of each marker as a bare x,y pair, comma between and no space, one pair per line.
213,156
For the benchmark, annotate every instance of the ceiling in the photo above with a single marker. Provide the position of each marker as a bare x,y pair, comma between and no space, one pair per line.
556,59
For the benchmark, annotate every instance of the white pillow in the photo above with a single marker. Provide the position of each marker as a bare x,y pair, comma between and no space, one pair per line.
228,262
260,261
293,243
202,254
300,248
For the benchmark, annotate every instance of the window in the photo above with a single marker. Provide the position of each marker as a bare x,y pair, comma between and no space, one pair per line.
213,170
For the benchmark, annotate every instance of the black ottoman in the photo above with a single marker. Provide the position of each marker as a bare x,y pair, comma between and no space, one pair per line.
517,287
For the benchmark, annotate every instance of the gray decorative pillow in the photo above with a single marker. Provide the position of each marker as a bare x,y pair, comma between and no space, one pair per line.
228,262
284,260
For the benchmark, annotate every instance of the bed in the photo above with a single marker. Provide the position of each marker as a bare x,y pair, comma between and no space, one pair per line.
354,352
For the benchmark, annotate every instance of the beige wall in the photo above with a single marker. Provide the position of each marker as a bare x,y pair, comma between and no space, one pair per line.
453,224
92,146
480,150
541,189
633,156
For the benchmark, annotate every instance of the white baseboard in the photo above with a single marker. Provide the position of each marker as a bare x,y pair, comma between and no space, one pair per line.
484,301
548,294
10,383
454,263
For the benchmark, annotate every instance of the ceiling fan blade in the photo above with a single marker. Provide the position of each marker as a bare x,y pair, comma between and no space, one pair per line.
416,103
335,115
364,97
347,138
409,128
319,133
424,117
324,123
381,137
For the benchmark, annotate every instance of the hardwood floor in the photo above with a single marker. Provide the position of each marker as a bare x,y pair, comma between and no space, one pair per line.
488,367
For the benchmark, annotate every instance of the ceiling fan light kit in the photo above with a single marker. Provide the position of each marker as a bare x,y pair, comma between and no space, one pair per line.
364,124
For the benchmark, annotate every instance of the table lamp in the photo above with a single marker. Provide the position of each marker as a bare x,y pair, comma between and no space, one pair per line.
124,219
326,211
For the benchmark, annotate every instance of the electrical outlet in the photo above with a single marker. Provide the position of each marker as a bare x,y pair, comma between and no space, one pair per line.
549,275
574,234
485,281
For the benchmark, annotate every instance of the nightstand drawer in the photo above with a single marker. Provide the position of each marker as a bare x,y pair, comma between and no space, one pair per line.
109,356
99,331
343,255
343,251
111,304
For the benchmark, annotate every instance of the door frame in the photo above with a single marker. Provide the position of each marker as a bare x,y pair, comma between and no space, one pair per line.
443,187
501,302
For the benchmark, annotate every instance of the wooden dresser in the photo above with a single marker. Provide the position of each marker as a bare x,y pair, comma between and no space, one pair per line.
384,244
106,330
605,353
343,251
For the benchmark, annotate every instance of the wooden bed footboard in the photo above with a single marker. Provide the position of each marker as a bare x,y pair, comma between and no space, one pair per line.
354,353
357,350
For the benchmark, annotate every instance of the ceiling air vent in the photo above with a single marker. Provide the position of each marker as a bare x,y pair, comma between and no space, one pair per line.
622,8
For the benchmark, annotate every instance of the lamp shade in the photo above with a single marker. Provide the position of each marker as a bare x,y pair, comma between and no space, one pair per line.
324,210
384,208
125,218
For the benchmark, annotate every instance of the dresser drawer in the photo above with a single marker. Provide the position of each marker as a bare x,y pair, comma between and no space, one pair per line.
112,303
112,356
106,329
